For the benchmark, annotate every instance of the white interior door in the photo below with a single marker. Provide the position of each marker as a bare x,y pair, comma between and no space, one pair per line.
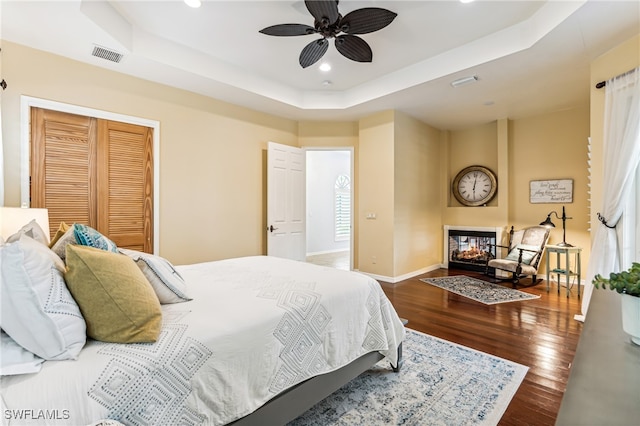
286,202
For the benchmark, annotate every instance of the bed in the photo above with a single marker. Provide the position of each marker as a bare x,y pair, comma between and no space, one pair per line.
258,340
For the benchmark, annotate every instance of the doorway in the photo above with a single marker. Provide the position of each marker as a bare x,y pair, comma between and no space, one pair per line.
329,206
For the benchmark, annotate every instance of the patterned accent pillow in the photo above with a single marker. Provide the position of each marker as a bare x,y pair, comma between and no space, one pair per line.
115,298
87,236
527,256
38,311
165,280
60,245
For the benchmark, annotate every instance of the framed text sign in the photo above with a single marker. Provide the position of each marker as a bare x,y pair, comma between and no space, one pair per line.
551,191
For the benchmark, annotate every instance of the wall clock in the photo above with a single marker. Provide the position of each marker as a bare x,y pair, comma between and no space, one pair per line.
474,186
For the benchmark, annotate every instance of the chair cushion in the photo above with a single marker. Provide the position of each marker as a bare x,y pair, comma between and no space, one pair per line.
528,253
536,235
510,265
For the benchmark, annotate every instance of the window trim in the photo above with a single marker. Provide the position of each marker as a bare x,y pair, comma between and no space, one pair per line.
337,191
629,232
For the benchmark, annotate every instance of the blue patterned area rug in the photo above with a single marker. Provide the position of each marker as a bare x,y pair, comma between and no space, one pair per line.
440,383
478,290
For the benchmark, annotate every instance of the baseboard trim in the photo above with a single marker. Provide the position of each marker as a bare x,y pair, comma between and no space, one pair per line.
403,277
316,253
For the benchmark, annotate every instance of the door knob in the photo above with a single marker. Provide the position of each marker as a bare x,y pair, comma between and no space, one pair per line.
271,228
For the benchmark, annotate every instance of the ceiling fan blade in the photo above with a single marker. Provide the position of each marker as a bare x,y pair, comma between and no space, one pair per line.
323,10
354,48
313,51
366,20
286,30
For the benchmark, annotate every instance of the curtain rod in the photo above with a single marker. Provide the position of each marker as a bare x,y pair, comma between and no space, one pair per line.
604,83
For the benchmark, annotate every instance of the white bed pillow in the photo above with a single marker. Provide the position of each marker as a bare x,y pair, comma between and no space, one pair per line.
15,359
167,283
33,230
38,311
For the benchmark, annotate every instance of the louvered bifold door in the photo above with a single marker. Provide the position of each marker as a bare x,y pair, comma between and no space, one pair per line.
63,163
95,172
125,184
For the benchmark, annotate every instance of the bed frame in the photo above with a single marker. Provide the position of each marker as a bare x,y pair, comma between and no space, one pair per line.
293,402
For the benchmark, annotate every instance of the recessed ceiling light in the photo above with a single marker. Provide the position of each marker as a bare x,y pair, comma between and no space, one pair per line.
466,1
325,67
327,83
193,3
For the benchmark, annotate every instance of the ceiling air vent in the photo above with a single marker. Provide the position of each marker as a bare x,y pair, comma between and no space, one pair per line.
104,53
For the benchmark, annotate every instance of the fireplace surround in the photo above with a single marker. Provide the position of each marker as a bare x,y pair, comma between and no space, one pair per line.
469,247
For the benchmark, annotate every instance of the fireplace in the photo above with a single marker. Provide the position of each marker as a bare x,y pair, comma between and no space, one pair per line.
469,247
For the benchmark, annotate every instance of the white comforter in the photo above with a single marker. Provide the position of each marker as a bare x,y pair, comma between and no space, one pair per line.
256,326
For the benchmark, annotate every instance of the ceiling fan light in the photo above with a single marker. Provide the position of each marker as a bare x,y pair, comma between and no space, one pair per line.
325,67
464,80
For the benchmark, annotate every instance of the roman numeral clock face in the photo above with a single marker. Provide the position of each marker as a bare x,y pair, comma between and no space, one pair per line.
474,186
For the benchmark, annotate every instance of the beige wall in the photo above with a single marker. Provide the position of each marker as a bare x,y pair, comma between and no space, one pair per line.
376,193
470,147
551,146
212,161
485,145
417,223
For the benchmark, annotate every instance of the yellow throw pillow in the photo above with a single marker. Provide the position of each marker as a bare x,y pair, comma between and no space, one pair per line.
116,300
62,229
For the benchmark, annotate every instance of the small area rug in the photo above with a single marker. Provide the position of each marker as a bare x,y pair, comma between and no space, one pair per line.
478,290
440,383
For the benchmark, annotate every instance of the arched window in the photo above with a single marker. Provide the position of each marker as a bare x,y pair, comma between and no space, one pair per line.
342,208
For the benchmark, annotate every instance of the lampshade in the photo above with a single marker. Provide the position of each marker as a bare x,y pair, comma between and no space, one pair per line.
548,222
14,218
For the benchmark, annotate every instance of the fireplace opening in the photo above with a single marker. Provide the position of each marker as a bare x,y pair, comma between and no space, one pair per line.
470,249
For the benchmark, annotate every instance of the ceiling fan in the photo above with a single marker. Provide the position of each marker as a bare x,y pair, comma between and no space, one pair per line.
329,23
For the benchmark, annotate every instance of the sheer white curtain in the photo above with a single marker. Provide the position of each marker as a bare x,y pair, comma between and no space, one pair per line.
621,152
1,161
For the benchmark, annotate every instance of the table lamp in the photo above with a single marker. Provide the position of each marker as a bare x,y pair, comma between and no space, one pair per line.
547,222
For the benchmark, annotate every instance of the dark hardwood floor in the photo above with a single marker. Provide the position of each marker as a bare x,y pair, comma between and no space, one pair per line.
539,333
